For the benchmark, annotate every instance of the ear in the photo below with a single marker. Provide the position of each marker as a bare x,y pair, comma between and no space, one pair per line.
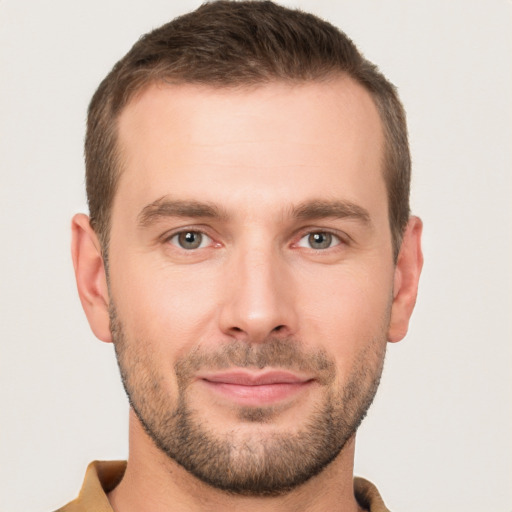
407,275
90,276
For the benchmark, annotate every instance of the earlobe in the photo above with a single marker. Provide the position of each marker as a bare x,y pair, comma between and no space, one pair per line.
407,275
90,276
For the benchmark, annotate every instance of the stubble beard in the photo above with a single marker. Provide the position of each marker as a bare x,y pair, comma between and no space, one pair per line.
253,462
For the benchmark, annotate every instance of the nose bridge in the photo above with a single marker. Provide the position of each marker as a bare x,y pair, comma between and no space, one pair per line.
259,302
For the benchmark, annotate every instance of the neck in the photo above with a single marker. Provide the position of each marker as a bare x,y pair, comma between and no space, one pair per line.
154,482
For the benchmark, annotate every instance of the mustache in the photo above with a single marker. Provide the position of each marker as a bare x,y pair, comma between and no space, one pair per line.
283,353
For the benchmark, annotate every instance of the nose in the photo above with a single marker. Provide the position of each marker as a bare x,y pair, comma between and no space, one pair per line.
259,296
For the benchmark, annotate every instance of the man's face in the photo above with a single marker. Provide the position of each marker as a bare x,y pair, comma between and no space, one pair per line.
251,275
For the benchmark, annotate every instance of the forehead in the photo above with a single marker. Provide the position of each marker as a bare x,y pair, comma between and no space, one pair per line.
314,139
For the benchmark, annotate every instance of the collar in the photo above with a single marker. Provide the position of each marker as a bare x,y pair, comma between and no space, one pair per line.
102,476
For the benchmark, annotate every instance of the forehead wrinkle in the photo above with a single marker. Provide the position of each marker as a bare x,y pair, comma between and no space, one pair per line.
168,207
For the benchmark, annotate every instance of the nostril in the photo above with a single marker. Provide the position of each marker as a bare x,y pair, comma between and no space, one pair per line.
278,328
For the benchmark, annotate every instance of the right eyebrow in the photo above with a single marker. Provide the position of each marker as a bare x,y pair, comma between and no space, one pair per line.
166,207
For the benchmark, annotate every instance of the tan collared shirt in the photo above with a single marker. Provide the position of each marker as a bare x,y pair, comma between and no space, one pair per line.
102,477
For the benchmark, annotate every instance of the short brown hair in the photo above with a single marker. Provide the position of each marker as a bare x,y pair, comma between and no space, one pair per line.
244,43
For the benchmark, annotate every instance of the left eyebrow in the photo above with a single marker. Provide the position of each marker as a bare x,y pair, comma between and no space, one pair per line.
318,209
166,207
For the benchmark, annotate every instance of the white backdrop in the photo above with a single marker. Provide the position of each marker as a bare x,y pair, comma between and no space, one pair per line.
438,437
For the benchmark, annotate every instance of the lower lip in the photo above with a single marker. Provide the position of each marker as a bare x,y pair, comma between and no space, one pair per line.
258,395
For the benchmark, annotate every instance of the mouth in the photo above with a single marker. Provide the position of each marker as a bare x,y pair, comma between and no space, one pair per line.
256,388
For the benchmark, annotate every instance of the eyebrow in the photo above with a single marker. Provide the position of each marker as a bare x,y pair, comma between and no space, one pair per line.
165,207
318,209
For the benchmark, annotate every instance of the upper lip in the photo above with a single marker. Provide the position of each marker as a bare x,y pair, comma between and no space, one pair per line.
247,378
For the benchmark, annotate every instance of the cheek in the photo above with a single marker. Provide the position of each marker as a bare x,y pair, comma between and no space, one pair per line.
348,312
169,307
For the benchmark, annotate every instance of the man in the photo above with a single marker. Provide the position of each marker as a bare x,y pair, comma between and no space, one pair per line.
249,252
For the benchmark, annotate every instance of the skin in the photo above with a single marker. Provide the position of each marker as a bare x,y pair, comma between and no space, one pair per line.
259,156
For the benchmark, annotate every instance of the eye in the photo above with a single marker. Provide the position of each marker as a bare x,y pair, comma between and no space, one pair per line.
190,240
319,240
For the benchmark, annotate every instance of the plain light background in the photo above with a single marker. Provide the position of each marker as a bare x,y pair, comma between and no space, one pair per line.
439,436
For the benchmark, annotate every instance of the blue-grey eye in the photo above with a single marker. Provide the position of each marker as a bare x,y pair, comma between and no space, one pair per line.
190,240
319,240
